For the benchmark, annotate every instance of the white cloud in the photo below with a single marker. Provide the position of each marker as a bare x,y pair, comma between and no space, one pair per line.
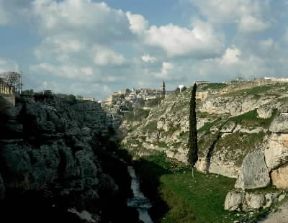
82,18
58,45
166,68
8,65
148,58
104,56
250,24
138,24
69,71
231,56
200,41
250,15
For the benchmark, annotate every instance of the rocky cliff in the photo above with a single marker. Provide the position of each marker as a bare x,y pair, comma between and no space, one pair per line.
242,134
58,158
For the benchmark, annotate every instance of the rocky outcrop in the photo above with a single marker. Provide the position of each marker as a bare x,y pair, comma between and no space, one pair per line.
254,172
250,201
280,124
276,152
279,177
242,134
60,149
233,201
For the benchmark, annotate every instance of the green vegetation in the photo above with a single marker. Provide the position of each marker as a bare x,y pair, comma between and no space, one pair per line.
150,126
153,102
213,86
198,199
138,114
250,119
192,140
205,143
254,91
239,144
190,200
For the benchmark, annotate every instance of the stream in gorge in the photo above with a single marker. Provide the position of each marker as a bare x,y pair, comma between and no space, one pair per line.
139,201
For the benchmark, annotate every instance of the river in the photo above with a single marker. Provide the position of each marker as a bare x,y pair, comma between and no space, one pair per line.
139,201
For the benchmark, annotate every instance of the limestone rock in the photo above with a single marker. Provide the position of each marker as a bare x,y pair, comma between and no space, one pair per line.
254,172
253,201
276,152
280,124
280,177
233,201
270,199
264,112
228,127
280,216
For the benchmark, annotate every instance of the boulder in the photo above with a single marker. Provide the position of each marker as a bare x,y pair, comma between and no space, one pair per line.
233,201
271,198
228,127
264,112
254,172
253,201
280,124
280,177
276,152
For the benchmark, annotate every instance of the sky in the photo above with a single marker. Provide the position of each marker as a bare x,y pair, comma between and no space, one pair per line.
93,48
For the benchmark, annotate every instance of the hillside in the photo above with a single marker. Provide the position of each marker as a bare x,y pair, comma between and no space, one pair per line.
59,160
242,134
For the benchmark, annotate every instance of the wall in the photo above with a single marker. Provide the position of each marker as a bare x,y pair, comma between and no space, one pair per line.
6,101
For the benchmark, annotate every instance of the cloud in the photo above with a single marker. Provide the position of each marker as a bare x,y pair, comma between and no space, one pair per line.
82,18
250,24
249,15
231,56
201,41
8,65
105,56
148,58
166,68
69,71
138,24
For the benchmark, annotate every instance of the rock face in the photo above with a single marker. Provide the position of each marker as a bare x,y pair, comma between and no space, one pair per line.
242,134
250,201
276,152
280,177
280,124
254,172
280,216
61,147
254,201
233,201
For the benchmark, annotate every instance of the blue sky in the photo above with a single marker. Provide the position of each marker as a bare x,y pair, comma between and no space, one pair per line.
92,47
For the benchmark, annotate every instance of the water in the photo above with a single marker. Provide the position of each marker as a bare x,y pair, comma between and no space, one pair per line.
139,201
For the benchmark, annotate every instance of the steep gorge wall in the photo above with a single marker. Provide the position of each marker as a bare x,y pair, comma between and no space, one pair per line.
242,134
59,151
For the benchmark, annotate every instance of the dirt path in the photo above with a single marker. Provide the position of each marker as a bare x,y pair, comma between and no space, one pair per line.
280,216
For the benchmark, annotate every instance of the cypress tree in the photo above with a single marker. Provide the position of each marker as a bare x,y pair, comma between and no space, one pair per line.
192,141
163,89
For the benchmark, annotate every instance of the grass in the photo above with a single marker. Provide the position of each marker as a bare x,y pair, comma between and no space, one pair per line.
198,200
213,86
238,145
150,126
138,114
251,119
254,91
189,200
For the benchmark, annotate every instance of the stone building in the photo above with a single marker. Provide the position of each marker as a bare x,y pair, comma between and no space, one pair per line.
5,89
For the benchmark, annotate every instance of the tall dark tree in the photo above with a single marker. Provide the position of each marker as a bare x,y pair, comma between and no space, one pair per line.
192,141
163,89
